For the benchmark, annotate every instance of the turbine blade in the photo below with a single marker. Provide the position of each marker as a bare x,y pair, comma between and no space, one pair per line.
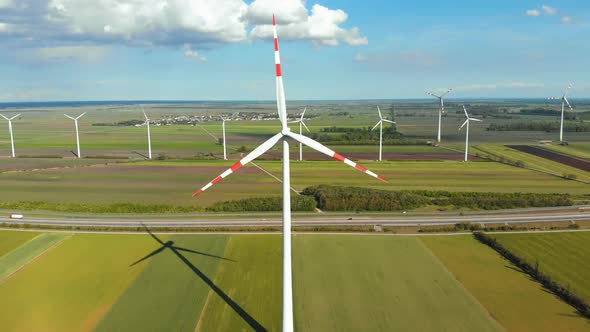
376,125
249,157
303,123
14,117
465,110
446,93
145,115
4,117
69,117
325,150
389,121
379,110
568,103
202,253
473,119
569,87
464,123
281,103
433,95
302,114
81,115
155,252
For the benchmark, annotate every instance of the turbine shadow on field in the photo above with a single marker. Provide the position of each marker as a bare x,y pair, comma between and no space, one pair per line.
254,324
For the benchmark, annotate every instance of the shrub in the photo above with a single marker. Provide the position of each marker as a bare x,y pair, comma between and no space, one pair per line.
264,204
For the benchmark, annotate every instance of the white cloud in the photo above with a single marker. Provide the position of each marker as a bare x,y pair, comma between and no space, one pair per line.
190,53
533,12
87,54
322,27
202,23
549,10
492,86
567,20
4,27
288,11
7,4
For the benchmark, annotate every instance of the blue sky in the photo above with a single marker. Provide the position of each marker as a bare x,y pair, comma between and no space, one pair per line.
219,50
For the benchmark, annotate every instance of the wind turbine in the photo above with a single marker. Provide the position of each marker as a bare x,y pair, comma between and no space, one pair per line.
77,133
10,130
301,125
223,129
467,132
441,98
563,102
380,124
147,123
284,135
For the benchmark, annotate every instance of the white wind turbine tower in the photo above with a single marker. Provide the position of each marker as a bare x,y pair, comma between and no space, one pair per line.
284,135
467,132
10,130
380,124
223,130
77,133
147,123
441,98
564,101
301,125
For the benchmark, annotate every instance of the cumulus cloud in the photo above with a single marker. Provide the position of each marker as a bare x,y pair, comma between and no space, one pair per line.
321,27
549,10
533,12
493,86
172,23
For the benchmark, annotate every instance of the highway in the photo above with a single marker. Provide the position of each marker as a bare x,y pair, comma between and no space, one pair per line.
312,220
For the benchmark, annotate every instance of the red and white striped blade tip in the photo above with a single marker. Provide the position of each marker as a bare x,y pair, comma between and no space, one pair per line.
274,21
223,175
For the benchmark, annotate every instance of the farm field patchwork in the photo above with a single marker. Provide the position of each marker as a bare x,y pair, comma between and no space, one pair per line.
27,252
232,282
564,256
510,296
143,182
533,161
11,240
557,157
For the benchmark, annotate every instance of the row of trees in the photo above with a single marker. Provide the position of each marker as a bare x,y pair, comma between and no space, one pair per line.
331,198
90,208
264,204
564,292
545,126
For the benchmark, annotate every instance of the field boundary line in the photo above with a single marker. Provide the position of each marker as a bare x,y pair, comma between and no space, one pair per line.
467,292
22,244
27,264
524,167
209,294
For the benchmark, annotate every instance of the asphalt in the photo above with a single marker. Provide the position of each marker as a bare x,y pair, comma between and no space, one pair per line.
316,220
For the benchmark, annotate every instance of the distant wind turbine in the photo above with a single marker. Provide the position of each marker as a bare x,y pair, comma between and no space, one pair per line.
301,125
564,101
77,132
223,129
149,137
467,132
441,98
380,124
10,130
283,136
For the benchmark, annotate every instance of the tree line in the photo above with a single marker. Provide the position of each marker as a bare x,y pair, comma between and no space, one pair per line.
562,291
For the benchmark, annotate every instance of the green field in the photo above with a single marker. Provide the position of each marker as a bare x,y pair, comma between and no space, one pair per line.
10,240
27,252
233,282
173,182
563,256
510,296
